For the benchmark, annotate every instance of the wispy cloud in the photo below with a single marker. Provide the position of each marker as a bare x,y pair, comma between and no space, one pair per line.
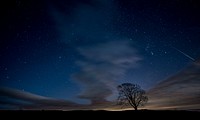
105,59
14,99
103,65
17,99
180,91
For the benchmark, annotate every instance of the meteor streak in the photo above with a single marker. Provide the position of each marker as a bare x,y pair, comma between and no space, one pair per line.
184,54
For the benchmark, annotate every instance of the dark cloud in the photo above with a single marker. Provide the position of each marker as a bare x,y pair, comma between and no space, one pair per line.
181,91
103,65
18,99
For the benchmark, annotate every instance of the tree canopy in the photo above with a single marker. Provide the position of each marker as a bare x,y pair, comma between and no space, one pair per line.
131,94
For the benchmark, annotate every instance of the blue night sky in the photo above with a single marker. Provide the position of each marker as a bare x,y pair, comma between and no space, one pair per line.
81,50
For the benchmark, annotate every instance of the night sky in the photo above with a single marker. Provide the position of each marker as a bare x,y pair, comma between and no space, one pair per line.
80,50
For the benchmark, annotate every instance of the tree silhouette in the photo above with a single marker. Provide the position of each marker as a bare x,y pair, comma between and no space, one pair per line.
131,94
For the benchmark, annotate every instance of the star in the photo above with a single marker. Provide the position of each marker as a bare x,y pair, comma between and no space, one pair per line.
152,53
7,77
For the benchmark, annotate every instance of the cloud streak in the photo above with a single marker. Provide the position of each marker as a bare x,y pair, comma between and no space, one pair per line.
103,65
14,99
180,91
17,99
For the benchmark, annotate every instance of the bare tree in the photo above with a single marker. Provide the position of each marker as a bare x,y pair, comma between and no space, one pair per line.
131,94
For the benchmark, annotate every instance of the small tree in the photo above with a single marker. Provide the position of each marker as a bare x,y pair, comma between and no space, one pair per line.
131,94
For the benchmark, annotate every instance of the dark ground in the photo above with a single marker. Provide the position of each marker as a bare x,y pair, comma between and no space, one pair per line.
100,114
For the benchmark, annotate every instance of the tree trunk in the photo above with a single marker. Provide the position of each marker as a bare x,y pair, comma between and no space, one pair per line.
135,108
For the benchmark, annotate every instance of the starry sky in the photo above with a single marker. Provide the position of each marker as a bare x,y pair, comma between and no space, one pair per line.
80,50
